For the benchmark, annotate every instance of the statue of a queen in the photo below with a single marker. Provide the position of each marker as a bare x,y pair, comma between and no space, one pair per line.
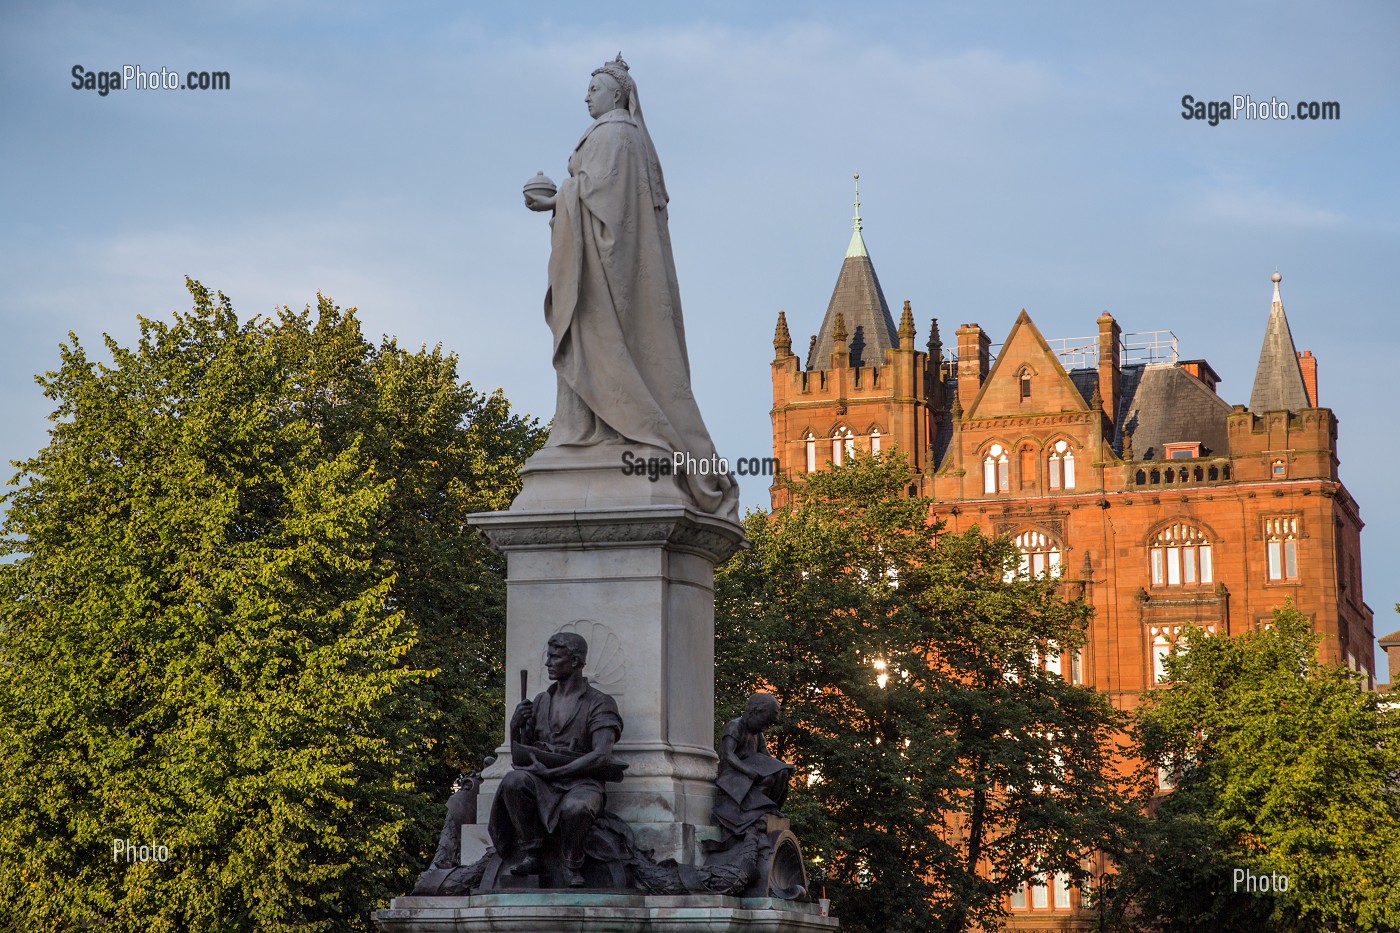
613,303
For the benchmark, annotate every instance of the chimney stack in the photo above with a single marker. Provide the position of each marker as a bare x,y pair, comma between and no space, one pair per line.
974,359
1308,364
1110,366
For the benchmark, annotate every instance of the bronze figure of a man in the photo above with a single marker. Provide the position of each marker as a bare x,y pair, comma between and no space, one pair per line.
561,747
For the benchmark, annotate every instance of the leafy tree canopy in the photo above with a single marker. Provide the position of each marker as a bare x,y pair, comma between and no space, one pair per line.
245,621
940,764
1284,767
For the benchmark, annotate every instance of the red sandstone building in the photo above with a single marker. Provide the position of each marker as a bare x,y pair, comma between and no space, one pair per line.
1111,462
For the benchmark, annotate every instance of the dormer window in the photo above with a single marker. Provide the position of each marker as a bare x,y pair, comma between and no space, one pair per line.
1025,384
1182,450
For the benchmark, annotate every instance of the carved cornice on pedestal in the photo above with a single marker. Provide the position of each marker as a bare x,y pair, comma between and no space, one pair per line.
676,527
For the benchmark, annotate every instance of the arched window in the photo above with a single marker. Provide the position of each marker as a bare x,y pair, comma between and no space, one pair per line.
1040,553
996,470
1025,378
843,445
1166,641
874,440
1061,465
1282,536
1162,646
1180,555
811,445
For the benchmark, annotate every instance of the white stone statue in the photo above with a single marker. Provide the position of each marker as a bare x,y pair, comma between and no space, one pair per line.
613,304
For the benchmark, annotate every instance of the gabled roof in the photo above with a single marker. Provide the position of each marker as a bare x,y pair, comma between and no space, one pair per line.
860,300
1052,391
1278,382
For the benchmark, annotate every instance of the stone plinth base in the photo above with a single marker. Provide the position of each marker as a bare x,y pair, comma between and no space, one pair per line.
586,912
638,583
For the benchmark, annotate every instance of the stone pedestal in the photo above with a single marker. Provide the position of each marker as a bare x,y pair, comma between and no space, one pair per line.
585,911
627,564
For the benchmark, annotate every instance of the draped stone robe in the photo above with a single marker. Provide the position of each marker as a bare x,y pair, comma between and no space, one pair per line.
614,309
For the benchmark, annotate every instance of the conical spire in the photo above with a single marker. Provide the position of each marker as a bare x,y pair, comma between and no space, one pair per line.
1278,382
859,298
782,340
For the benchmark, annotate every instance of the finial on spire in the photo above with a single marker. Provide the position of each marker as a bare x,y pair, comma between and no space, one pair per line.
935,342
782,340
1276,278
906,328
855,220
839,335
857,247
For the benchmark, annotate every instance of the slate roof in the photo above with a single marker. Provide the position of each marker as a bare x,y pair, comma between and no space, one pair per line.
1163,403
1278,382
859,298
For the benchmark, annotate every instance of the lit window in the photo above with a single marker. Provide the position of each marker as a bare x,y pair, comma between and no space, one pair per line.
996,470
1040,554
1168,640
1040,895
1018,897
1061,466
1162,647
1076,667
1280,469
1180,555
874,440
843,445
811,453
1282,537
1061,889
1052,659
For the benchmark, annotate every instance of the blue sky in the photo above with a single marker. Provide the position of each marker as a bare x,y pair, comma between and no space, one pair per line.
1011,155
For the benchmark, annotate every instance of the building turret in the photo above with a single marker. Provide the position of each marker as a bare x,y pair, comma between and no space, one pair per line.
860,300
1278,381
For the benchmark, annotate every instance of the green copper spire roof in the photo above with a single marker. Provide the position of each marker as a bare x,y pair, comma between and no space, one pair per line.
859,303
857,247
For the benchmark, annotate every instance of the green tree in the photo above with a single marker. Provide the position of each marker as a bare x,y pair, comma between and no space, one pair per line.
1284,767
940,765
246,622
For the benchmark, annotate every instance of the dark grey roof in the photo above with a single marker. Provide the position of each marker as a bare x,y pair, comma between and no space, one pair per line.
859,298
1085,380
1163,403
1127,388
943,431
1278,382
